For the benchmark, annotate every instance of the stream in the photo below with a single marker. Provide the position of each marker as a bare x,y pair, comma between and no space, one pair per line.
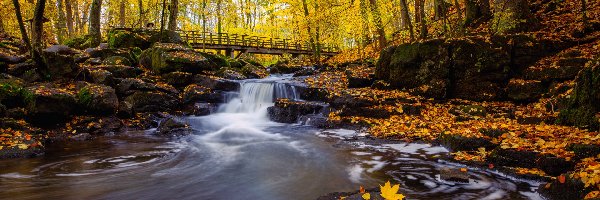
238,153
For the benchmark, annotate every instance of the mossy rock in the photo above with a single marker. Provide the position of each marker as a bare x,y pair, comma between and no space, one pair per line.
582,107
98,99
169,57
50,106
14,95
116,60
126,39
81,42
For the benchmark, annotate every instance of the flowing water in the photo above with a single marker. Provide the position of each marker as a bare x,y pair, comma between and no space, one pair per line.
237,153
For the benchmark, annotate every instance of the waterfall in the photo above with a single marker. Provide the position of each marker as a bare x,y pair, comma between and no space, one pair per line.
256,97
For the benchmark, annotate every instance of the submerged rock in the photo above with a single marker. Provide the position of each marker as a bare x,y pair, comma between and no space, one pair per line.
286,111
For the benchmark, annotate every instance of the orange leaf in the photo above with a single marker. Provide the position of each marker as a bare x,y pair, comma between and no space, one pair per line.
362,189
561,178
491,166
463,169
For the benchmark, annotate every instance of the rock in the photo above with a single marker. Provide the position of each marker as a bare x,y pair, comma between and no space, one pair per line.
216,83
178,79
513,158
554,166
116,60
98,99
313,94
169,57
173,127
10,57
584,150
454,175
202,109
254,71
309,71
570,189
142,38
100,76
20,68
119,71
468,112
460,143
231,74
286,111
150,101
519,90
49,106
193,93
356,81
93,125
582,106
60,61
125,110
103,52
128,86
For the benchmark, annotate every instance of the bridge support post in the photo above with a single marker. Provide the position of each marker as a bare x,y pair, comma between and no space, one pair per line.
230,53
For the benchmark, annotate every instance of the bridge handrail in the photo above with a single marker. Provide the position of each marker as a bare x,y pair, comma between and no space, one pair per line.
210,38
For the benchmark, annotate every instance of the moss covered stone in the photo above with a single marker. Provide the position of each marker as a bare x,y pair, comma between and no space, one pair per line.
582,108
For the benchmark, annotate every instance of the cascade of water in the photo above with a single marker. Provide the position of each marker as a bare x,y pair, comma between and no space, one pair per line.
256,97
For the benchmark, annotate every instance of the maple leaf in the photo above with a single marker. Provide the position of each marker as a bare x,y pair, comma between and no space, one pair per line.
366,196
390,192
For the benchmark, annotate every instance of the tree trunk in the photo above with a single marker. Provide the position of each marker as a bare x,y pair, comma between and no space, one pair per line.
69,11
406,19
60,23
94,29
1,26
122,13
378,23
422,21
219,13
77,17
37,32
22,28
142,20
584,13
173,12
512,15
418,16
86,15
308,24
475,10
365,23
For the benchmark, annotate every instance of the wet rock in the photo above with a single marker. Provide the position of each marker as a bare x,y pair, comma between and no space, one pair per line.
317,120
93,125
525,90
15,152
178,79
193,93
350,101
60,61
584,150
49,106
454,175
308,71
570,189
254,71
554,166
313,94
286,111
116,60
460,143
173,127
150,101
202,109
215,83
513,158
125,110
98,99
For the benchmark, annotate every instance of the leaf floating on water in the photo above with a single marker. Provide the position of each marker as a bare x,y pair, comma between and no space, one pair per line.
390,192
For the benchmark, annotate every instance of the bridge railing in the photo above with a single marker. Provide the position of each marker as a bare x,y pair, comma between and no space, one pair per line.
243,40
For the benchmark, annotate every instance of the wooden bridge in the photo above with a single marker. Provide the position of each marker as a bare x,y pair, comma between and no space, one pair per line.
233,43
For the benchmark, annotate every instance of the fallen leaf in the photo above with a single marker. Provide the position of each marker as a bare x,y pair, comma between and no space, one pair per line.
366,196
390,192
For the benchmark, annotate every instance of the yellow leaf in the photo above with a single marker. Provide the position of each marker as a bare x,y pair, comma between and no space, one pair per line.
366,196
391,193
22,146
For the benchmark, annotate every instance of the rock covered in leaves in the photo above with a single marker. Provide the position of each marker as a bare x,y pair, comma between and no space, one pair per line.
48,105
173,126
150,101
169,57
193,93
520,90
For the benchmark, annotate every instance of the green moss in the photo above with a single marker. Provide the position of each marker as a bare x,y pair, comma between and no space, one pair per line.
78,42
84,97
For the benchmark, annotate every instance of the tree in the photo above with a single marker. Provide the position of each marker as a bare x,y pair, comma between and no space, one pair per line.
94,28
122,13
142,18
378,24
22,28
173,11
69,11
37,32
406,18
420,18
512,15
61,22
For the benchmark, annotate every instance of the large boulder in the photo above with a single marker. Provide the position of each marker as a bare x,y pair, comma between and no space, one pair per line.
178,79
286,111
169,57
582,107
193,93
520,90
150,101
60,61
216,83
142,38
473,68
116,60
172,126
98,99
48,105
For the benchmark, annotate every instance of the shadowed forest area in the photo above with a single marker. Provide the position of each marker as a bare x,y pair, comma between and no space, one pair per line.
307,99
